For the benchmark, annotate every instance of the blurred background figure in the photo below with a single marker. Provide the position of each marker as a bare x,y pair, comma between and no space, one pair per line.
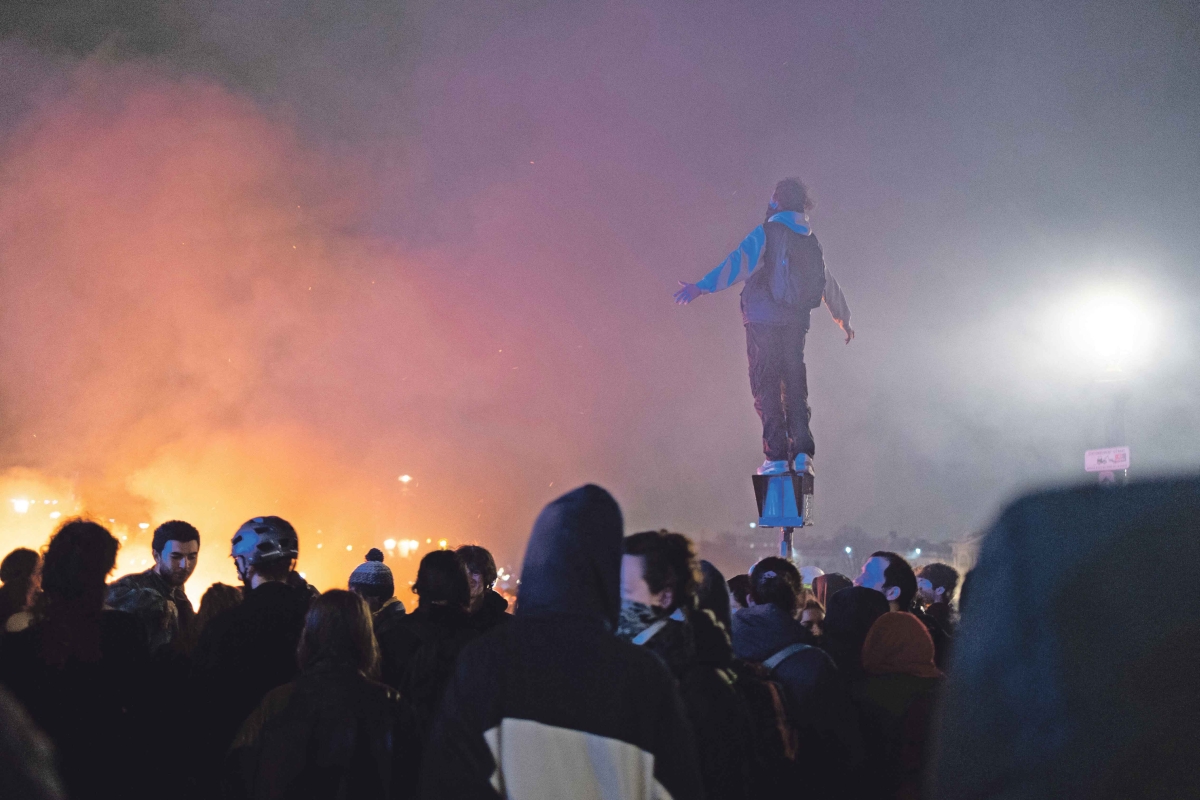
809,574
420,649
487,608
935,591
812,617
217,599
372,580
19,574
739,590
827,585
334,732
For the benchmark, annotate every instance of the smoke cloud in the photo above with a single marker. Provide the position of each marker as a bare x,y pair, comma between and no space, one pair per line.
268,257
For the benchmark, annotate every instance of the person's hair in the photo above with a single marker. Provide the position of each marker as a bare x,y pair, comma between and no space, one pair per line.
714,595
338,628
442,578
827,585
669,561
739,587
793,195
940,575
17,573
478,559
77,560
218,598
75,564
776,581
276,570
900,575
813,604
19,565
174,531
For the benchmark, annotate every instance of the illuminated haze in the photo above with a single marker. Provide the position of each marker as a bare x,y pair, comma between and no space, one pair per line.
266,258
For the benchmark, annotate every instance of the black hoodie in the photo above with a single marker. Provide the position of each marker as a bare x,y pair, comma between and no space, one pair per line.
557,681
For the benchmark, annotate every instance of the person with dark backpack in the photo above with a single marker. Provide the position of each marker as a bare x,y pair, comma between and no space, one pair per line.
818,705
420,649
659,581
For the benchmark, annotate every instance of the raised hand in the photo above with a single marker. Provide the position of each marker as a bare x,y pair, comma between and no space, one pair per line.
687,294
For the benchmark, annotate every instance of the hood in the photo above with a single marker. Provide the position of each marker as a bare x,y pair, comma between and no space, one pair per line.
848,617
714,594
899,644
794,220
761,631
572,565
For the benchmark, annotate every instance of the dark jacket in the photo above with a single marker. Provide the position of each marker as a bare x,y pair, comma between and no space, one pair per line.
143,595
492,611
243,653
791,281
818,700
419,651
332,733
556,680
95,712
895,712
388,617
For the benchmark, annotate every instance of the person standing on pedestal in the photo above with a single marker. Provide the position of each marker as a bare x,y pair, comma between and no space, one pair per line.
785,274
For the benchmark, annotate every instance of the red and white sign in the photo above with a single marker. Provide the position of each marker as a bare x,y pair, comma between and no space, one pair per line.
1108,459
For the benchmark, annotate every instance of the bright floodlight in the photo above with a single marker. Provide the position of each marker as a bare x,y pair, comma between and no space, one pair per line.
405,478
849,550
390,544
20,505
1111,327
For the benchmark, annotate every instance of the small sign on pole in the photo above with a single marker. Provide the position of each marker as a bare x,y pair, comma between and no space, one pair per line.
1107,459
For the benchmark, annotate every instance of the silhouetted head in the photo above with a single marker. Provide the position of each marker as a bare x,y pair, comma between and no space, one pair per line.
659,568
791,195
337,629
481,570
442,580
776,581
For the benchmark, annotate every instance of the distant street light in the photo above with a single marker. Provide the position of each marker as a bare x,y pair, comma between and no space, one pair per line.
849,550
405,478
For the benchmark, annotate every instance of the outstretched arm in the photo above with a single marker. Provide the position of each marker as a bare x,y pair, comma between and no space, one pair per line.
836,302
736,267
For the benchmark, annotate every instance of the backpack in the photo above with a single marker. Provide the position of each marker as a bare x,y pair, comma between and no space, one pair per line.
775,741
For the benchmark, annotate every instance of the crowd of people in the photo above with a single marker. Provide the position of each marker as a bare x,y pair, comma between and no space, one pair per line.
630,669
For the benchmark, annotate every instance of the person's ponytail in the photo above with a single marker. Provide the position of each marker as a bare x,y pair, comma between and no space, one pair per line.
776,581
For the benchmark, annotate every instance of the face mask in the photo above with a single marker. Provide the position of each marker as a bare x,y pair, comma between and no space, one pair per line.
636,617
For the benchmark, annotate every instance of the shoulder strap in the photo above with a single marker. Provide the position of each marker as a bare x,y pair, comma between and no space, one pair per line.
648,634
777,659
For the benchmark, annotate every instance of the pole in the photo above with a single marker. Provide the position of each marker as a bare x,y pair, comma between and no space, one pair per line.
785,543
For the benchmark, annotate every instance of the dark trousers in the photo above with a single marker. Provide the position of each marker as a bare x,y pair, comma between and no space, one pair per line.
779,382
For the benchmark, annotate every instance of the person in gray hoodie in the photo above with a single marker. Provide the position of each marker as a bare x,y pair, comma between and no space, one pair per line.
818,703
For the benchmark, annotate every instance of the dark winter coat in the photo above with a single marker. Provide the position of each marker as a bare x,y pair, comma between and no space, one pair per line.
419,652
244,653
557,681
492,611
895,712
95,712
332,733
818,700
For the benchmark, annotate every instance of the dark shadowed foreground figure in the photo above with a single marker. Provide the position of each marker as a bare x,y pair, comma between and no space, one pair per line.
80,670
1052,697
334,732
896,704
553,705
848,619
26,756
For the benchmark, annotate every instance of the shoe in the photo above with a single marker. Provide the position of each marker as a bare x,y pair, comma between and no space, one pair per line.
804,463
770,467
